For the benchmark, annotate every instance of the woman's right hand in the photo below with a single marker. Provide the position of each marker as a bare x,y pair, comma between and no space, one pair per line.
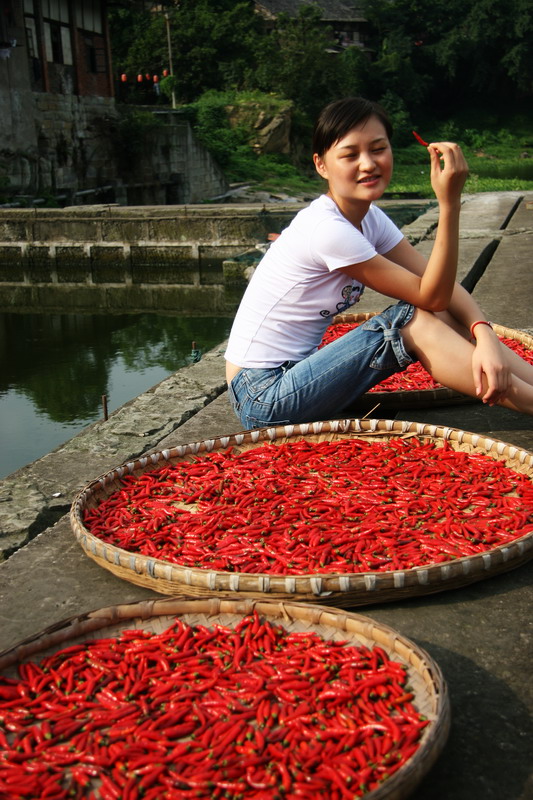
449,171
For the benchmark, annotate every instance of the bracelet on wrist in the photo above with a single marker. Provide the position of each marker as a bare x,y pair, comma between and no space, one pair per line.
478,322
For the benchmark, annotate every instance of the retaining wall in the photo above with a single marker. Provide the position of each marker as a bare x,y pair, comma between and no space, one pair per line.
143,257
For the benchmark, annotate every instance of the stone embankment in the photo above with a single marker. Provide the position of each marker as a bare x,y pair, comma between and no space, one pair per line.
481,635
123,257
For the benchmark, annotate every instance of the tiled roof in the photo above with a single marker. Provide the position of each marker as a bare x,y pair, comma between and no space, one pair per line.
332,10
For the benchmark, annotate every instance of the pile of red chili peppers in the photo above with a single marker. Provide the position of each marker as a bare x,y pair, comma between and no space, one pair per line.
253,712
414,377
341,506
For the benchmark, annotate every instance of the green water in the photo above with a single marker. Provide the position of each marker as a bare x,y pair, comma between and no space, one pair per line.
55,369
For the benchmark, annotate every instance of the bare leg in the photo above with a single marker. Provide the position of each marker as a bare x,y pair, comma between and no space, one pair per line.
447,355
516,364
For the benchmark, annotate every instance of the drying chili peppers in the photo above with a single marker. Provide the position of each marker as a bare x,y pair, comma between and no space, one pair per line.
249,713
341,506
415,377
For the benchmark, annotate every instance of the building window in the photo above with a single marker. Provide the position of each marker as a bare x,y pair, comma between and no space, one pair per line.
96,57
56,10
57,41
89,15
31,37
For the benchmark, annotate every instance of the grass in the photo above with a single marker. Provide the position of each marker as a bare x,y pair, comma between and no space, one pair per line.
488,173
494,174
410,178
500,160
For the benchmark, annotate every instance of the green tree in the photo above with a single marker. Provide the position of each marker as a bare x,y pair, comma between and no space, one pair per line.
293,61
212,42
445,56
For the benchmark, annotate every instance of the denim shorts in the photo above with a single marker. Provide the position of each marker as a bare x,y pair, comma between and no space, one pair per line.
328,381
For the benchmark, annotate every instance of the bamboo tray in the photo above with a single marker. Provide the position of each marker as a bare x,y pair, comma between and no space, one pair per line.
422,398
346,590
424,675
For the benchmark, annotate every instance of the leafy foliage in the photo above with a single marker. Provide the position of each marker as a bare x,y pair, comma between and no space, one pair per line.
435,67
443,56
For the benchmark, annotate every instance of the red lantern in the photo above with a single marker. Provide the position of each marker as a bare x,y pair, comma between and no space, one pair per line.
165,73
139,78
156,78
147,76
124,77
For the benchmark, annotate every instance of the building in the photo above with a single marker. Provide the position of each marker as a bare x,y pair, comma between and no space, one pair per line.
343,17
56,97
59,120
68,48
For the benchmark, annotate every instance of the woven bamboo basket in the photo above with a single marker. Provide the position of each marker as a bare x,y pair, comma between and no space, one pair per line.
424,676
422,398
346,590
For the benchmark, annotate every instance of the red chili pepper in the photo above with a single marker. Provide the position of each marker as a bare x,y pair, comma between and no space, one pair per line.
419,139
346,506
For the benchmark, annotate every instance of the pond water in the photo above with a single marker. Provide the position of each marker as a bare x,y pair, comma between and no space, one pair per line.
55,369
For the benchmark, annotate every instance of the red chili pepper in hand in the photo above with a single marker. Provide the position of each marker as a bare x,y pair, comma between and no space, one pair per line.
419,139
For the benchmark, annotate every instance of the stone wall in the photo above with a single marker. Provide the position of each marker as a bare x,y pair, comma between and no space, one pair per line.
73,143
134,258
68,147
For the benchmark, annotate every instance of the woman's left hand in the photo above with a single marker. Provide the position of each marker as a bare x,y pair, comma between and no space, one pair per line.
488,362
449,171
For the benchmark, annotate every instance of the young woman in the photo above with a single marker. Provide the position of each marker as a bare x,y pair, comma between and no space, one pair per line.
319,266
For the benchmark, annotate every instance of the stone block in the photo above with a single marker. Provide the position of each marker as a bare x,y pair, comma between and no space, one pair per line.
18,297
65,229
210,261
72,264
522,218
11,264
235,273
39,264
13,230
487,211
109,264
65,298
509,267
124,230
164,265
180,228
241,229
131,298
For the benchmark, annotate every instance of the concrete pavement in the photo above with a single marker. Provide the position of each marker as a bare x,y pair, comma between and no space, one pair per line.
481,635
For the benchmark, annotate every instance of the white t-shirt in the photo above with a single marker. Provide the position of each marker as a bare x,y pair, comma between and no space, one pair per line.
297,288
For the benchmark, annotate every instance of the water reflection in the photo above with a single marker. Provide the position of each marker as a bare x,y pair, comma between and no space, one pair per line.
54,369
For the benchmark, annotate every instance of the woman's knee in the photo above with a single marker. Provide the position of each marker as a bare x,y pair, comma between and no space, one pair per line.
421,330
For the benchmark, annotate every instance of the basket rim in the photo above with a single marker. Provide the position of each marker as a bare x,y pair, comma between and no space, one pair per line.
502,330
440,394
422,668
372,584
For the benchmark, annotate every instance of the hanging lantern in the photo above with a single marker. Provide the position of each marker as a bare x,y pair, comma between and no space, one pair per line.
124,78
165,73
156,78
147,76
139,78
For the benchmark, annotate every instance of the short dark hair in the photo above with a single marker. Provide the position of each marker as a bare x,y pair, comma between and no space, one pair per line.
340,116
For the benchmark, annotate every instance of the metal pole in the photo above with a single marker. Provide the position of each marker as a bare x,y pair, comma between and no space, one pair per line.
171,67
